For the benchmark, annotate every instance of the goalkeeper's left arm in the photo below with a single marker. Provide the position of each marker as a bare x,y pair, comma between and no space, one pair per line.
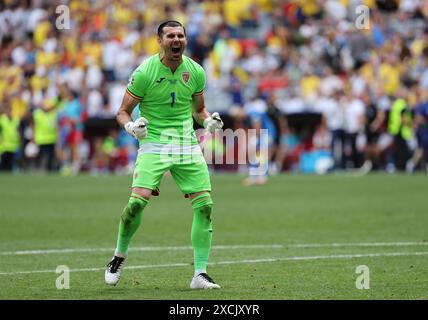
211,122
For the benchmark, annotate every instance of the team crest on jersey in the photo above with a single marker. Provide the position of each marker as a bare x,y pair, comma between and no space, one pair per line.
185,76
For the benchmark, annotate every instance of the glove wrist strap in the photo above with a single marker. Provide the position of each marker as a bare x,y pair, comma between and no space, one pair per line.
128,127
206,122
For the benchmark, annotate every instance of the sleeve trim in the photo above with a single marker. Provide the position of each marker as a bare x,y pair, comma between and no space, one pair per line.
198,93
133,94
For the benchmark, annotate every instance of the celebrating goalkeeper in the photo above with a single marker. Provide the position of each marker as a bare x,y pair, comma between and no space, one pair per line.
168,88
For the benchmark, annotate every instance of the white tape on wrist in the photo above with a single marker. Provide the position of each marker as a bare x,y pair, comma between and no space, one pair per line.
128,127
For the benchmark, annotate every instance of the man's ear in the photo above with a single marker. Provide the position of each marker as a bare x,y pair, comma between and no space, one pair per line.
159,40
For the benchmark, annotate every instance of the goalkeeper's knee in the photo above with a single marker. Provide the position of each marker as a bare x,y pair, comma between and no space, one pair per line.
203,203
135,206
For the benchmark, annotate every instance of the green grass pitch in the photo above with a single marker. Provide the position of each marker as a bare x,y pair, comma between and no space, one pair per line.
298,237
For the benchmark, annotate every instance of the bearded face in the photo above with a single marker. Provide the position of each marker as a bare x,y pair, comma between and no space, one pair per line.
173,43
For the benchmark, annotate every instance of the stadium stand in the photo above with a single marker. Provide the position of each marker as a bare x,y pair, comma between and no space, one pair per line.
342,96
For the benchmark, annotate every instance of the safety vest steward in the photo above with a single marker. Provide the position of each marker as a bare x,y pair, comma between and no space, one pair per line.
9,134
45,127
395,123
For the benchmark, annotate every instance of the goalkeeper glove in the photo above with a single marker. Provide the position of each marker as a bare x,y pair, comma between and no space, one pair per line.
137,129
214,122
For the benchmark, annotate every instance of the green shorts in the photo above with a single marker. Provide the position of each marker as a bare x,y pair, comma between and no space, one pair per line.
190,173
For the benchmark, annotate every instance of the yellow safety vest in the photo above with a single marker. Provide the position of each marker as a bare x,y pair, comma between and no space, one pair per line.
395,125
45,127
9,134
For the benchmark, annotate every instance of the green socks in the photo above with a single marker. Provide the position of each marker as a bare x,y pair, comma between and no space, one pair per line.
129,222
201,230
201,234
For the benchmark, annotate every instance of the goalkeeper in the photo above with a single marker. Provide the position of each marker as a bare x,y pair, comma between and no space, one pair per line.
168,88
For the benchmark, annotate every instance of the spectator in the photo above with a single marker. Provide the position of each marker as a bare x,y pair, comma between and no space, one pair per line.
9,138
45,128
333,114
71,133
276,157
375,116
261,136
354,125
399,126
420,155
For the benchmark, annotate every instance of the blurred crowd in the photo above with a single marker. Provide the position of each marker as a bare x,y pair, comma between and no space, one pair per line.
64,63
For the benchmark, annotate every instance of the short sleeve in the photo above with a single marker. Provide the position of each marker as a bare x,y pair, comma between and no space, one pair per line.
200,81
136,84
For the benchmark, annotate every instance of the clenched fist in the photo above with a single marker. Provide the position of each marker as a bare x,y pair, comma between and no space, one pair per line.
214,122
138,128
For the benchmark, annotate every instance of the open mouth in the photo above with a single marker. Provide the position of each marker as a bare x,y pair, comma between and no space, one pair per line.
176,50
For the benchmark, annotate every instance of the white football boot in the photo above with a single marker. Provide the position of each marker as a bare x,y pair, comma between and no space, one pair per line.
203,281
113,271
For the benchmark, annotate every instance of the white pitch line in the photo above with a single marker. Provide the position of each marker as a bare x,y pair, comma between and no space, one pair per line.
301,258
360,244
166,248
220,247
334,256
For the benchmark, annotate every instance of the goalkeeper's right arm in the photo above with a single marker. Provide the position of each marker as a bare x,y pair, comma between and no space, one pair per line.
137,129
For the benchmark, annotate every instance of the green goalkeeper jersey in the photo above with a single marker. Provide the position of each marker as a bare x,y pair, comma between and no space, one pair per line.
166,100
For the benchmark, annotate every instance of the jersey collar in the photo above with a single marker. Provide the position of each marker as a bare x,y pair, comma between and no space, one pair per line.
168,68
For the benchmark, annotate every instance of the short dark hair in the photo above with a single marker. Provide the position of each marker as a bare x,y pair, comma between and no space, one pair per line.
169,23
